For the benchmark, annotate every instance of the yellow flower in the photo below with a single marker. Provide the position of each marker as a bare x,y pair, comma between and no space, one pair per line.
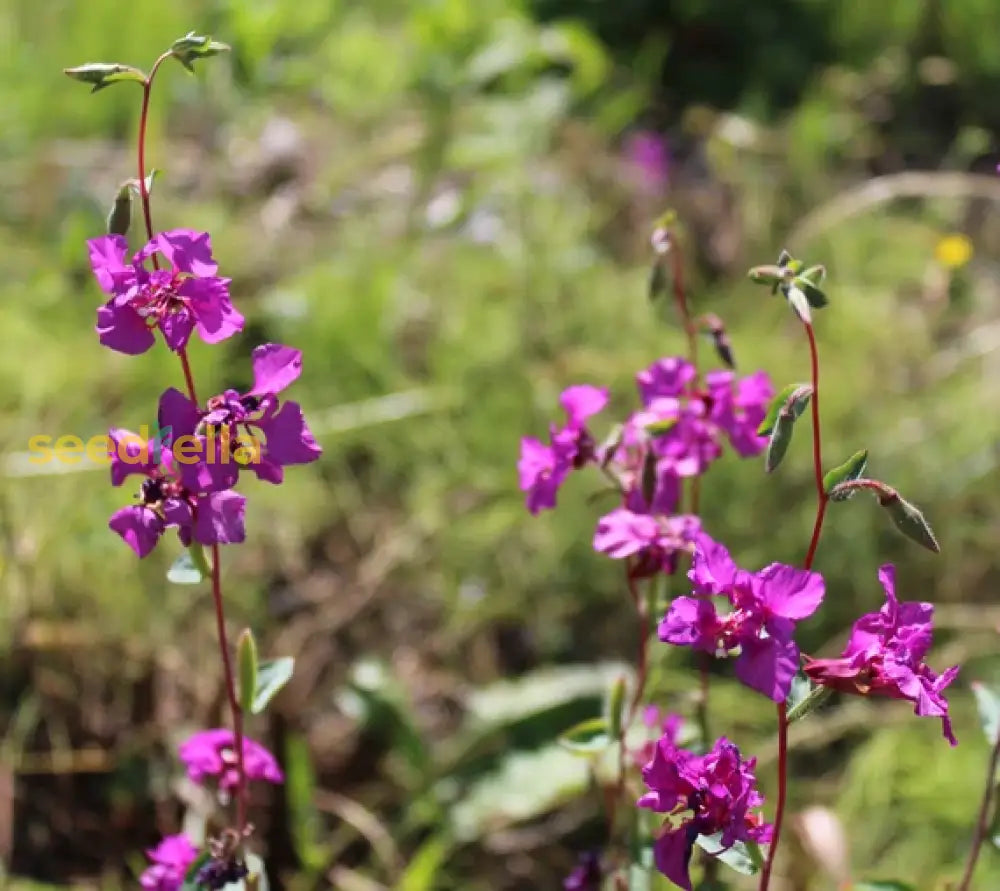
953,251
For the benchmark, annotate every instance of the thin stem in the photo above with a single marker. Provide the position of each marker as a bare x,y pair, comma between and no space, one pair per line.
680,297
821,501
220,616
983,821
765,876
821,496
234,705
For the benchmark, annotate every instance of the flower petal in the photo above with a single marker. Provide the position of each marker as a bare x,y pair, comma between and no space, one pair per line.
140,527
121,328
274,368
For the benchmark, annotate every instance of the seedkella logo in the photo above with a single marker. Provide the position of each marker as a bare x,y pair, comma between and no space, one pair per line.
144,447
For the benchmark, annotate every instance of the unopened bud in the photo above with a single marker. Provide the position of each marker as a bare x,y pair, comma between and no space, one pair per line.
120,216
910,521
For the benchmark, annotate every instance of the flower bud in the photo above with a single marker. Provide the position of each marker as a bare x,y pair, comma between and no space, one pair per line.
120,216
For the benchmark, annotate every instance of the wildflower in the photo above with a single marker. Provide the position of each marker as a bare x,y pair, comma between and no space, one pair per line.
647,152
188,296
253,429
701,795
656,540
668,726
884,657
213,753
170,861
586,875
164,501
739,411
953,251
764,607
544,468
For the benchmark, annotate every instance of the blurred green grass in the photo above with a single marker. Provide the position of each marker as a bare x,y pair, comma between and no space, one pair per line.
427,197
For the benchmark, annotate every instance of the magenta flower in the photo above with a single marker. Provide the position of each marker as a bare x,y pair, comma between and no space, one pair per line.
184,296
764,607
647,152
885,657
170,860
586,875
212,753
544,468
701,795
164,502
740,412
655,540
253,429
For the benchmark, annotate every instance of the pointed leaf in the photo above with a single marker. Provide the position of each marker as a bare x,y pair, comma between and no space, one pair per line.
988,706
104,74
191,47
798,302
814,296
807,698
588,737
781,437
246,658
120,216
775,407
853,468
272,675
184,571
910,521
765,275
738,857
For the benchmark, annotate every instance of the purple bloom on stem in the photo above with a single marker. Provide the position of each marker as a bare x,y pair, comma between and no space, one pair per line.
586,875
885,657
656,540
701,795
542,469
188,296
165,502
212,753
647,152
253,429
170,860
670,376
740,412
764,607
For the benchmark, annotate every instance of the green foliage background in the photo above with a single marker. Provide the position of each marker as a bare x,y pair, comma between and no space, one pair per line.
428,199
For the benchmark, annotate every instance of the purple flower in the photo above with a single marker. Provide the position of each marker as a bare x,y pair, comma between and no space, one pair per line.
182,297
586,875
885,657
702,795
212,753
164,501
647,152
764,607
253,429
170,860
739,413
543,468
655,540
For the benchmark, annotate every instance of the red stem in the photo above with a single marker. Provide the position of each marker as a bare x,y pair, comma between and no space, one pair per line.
822,497
220,616
234,705
821,501
765,876
983,820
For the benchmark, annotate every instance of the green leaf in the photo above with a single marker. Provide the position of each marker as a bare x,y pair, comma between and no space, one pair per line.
779,402
814,296
799,302
739,857
781,437
588,737
272,675
184,571
192,872
814,275
853,468
988,706
910,521
883,885
422,870
616,708
768,274
806,698
191,47
661,428
246,659
120,217
104,74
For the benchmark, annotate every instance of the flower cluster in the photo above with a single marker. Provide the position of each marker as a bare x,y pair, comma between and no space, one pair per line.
680,429
701,795
885,657
759,624
209,754
189,476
